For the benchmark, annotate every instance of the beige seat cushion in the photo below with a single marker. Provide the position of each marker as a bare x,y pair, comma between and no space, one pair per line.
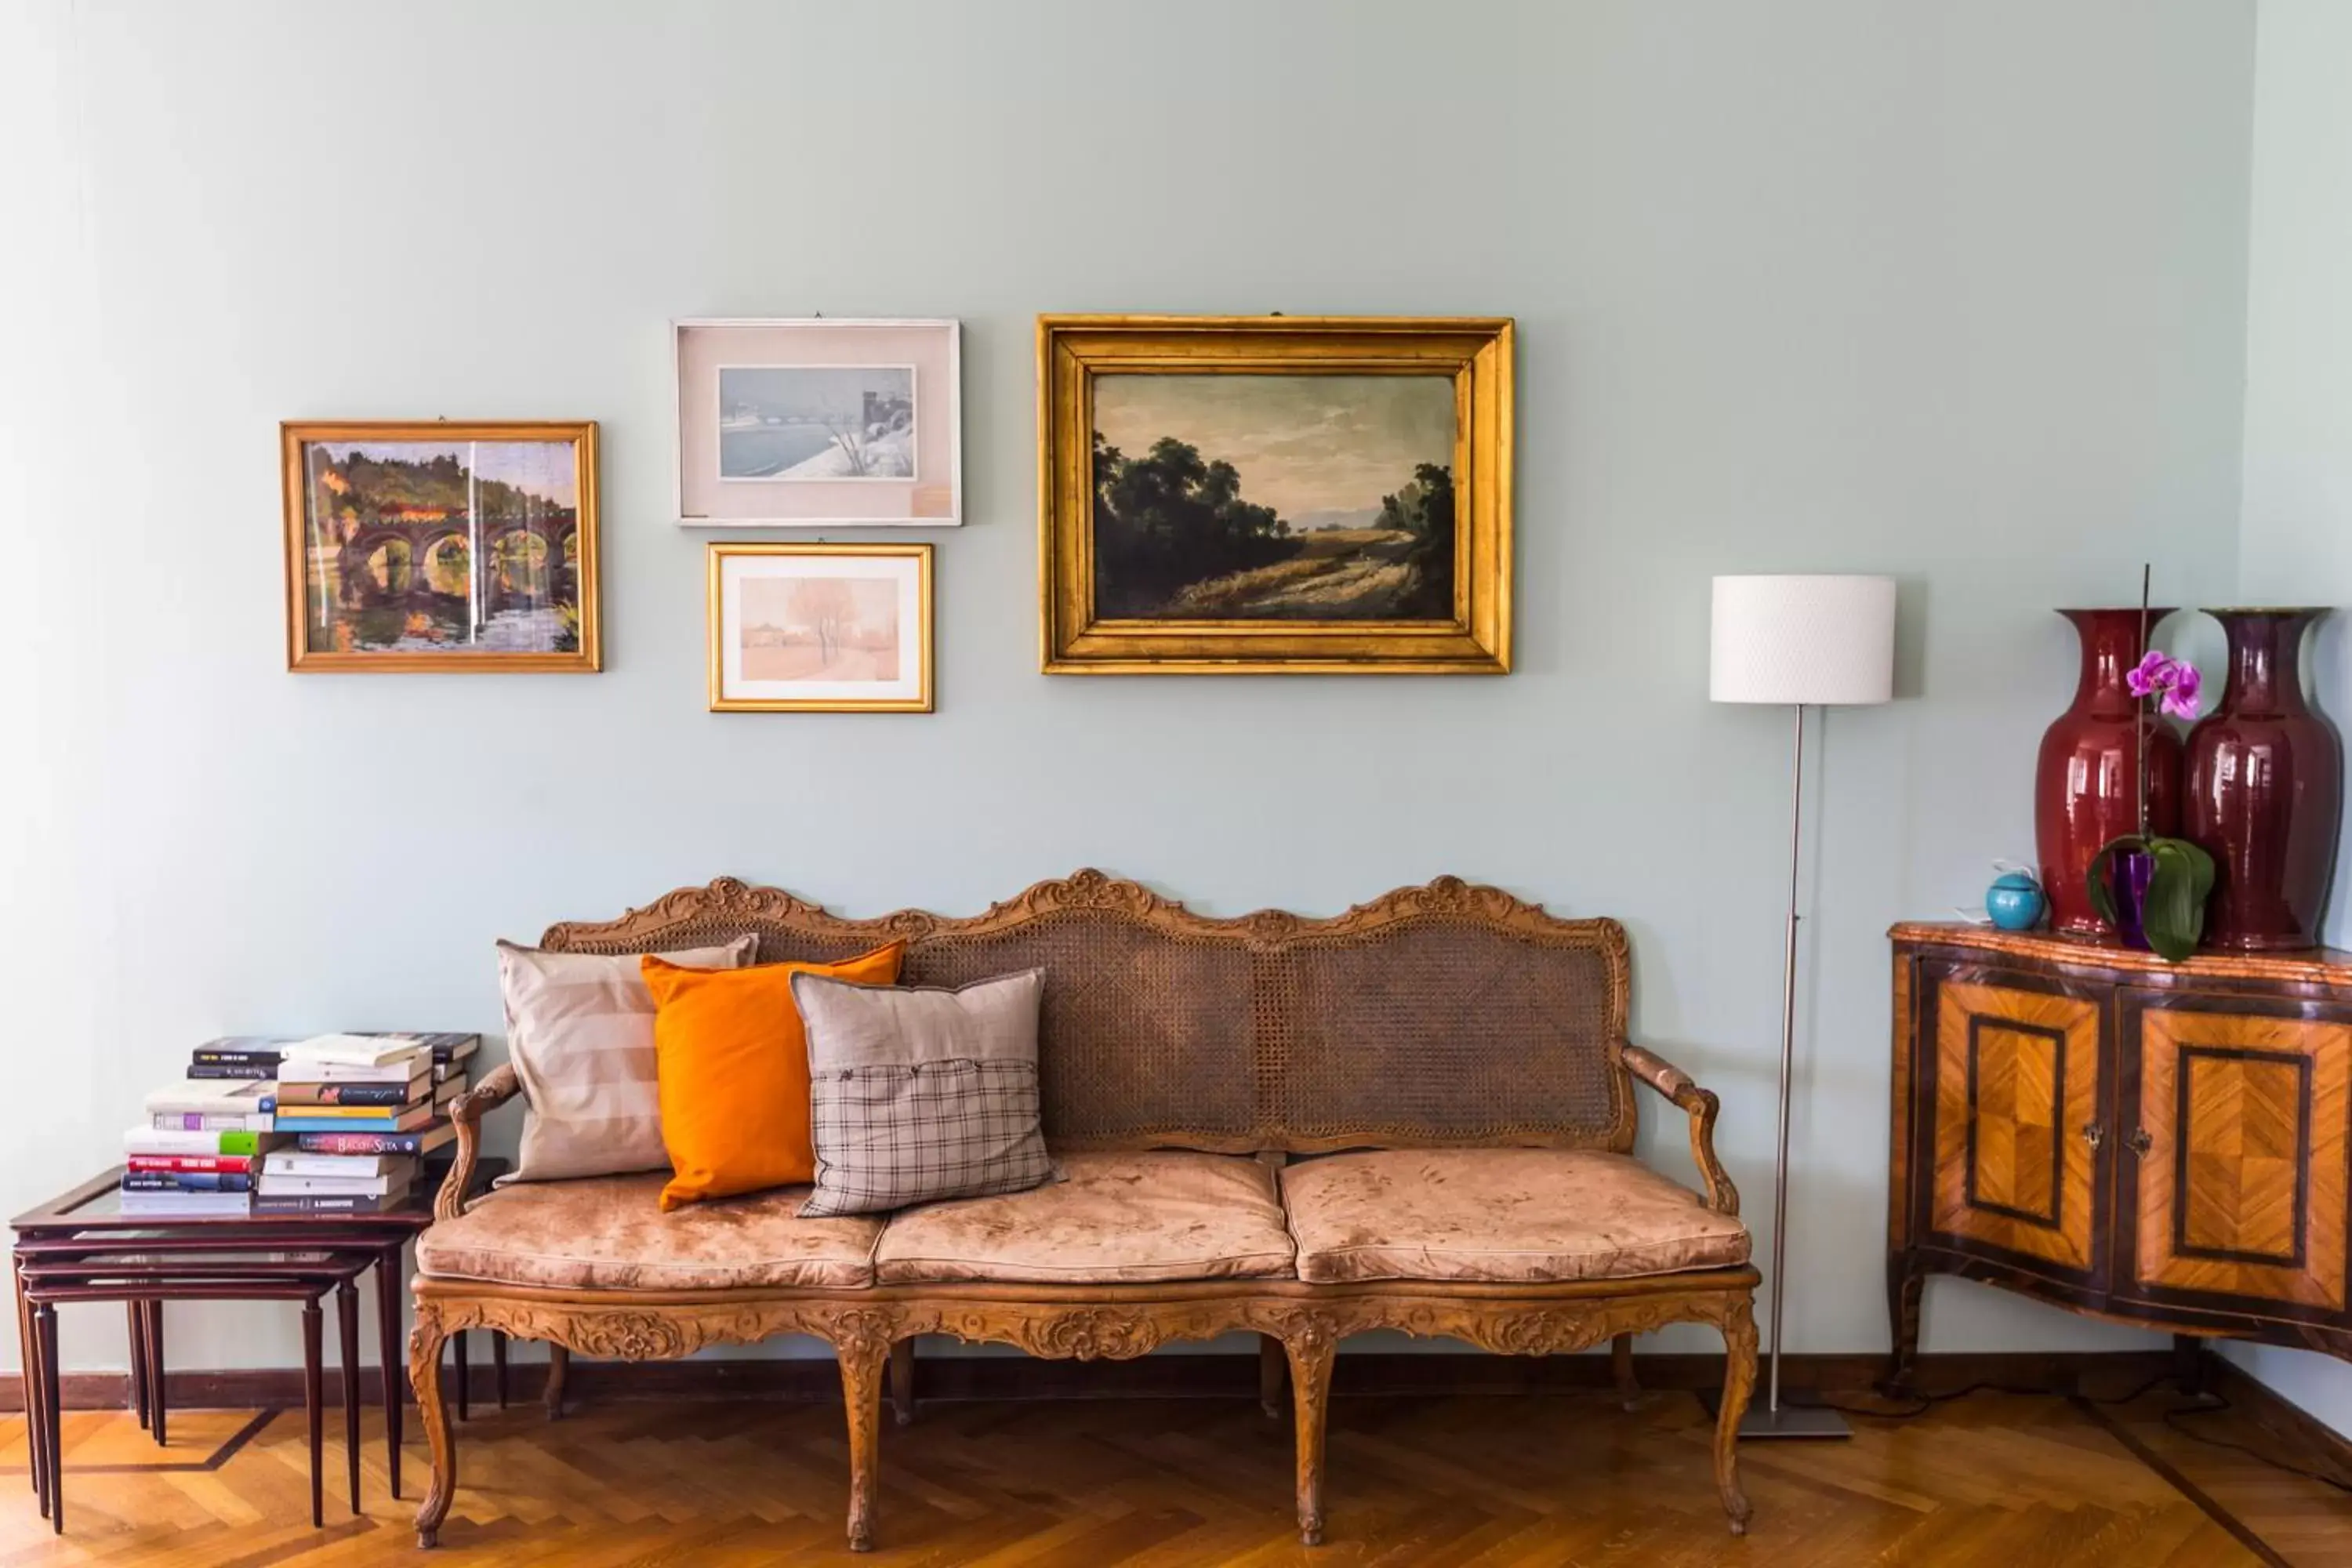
608,1233
1498,1216
1119,1218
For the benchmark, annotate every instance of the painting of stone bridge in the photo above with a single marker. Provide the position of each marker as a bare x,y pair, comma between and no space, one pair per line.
442,546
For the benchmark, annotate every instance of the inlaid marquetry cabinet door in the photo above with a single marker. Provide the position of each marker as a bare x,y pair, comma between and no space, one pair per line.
2238,1155
2018,1143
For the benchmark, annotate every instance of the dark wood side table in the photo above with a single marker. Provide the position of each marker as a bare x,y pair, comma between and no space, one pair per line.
90,1218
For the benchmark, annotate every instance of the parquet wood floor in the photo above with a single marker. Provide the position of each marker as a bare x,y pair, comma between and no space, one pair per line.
1513,1482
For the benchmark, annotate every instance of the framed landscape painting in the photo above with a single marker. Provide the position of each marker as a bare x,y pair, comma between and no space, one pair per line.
433,547
817,421
1260,494
820,628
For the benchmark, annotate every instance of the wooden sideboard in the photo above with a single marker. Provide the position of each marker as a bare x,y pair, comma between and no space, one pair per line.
2165,1145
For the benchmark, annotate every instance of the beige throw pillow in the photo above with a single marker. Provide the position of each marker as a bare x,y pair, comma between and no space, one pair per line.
580,1032
916,1095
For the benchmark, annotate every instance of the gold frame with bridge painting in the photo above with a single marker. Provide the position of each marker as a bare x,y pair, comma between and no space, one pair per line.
431,545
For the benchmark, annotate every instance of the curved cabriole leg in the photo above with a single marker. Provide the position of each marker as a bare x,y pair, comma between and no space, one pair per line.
902,1381
1310,1389
1738,1383
425,1373
865,1363
1620,1365
558,1363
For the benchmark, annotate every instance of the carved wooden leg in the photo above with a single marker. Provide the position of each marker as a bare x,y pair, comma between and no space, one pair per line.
1271,1364
559,1363
902,1380
1310,1390
425,1373
1620,1366
1904,1286
864,1360
1739,1383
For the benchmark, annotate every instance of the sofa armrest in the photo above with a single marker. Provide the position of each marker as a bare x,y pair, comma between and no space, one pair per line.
1678,1086
465,1112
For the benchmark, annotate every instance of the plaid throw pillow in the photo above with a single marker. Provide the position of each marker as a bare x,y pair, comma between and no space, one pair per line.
921,1094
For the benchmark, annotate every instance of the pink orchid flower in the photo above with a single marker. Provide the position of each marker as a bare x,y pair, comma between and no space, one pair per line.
2173,682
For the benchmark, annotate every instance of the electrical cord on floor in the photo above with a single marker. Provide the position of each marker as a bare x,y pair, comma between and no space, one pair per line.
2207,1405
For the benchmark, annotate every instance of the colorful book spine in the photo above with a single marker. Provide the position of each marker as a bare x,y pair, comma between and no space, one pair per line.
138,1163
329,1205
298,1098
242,1071
187,1182
370,1121
422,1142
196,1121
191,1141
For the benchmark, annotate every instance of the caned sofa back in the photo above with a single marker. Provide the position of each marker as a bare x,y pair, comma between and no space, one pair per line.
1444,1014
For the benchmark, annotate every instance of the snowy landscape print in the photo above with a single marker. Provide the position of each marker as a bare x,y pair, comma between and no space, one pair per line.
1274,497
816,422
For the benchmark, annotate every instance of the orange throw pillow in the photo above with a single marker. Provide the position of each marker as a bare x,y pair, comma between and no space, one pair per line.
734,1077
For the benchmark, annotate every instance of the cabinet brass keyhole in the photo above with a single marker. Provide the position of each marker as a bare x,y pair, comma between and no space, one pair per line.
2140,1141
2093,1135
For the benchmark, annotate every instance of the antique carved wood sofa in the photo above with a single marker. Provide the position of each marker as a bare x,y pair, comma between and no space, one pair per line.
1417,1115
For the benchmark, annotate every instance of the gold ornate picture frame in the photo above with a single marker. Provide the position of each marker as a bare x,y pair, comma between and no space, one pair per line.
1268,494
427,545
820,628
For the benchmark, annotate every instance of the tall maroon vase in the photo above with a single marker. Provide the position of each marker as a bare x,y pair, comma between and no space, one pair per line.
2087,780
2266,789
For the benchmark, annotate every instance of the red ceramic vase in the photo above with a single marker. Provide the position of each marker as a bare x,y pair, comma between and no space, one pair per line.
2265,790
2087,780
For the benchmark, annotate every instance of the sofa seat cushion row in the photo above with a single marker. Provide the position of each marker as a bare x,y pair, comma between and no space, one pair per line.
1492,1216
1499,1216
609,1233
1119,1218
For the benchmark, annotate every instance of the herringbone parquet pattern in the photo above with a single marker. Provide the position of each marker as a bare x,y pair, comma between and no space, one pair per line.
2003,1481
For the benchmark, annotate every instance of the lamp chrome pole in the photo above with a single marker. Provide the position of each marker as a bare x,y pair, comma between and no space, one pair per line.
1775,1419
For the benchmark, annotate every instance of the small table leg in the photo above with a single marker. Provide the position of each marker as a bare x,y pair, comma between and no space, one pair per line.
156,1403
51,1439
312,1396
347,1326
498,1364
465,1395
134,1313
28,1357
388,1355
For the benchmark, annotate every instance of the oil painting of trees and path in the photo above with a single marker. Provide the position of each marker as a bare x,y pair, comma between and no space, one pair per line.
1265,497
442,546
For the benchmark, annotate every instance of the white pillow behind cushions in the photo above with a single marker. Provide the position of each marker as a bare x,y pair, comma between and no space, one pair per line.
918,1094
580,1032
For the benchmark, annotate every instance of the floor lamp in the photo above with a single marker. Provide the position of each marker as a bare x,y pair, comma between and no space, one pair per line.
1799,642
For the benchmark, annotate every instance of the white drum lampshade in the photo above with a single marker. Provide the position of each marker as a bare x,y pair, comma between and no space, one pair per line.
1804,640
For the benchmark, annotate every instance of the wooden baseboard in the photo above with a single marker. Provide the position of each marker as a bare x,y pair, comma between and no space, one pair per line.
1180,1376
2315,1443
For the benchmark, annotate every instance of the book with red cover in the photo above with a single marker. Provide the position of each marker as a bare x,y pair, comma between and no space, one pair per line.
423,1142
188,1162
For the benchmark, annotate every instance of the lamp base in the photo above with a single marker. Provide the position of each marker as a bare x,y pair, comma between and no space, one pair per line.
1789,1421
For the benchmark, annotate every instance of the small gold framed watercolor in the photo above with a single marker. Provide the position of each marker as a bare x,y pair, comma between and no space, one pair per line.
820,628
1264,494
425,545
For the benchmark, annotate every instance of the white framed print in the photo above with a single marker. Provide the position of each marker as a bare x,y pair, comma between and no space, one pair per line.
820,628
814,422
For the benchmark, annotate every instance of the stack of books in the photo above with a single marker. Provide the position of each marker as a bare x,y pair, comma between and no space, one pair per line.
363,1110
204,1139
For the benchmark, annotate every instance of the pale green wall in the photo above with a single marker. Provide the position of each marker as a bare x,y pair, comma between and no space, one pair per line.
1954,292
2295,543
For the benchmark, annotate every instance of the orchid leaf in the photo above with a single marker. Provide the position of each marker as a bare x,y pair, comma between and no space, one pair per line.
2175,917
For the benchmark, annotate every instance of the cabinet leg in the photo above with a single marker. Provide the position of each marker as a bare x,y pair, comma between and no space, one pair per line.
2188,1364
1904,1286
